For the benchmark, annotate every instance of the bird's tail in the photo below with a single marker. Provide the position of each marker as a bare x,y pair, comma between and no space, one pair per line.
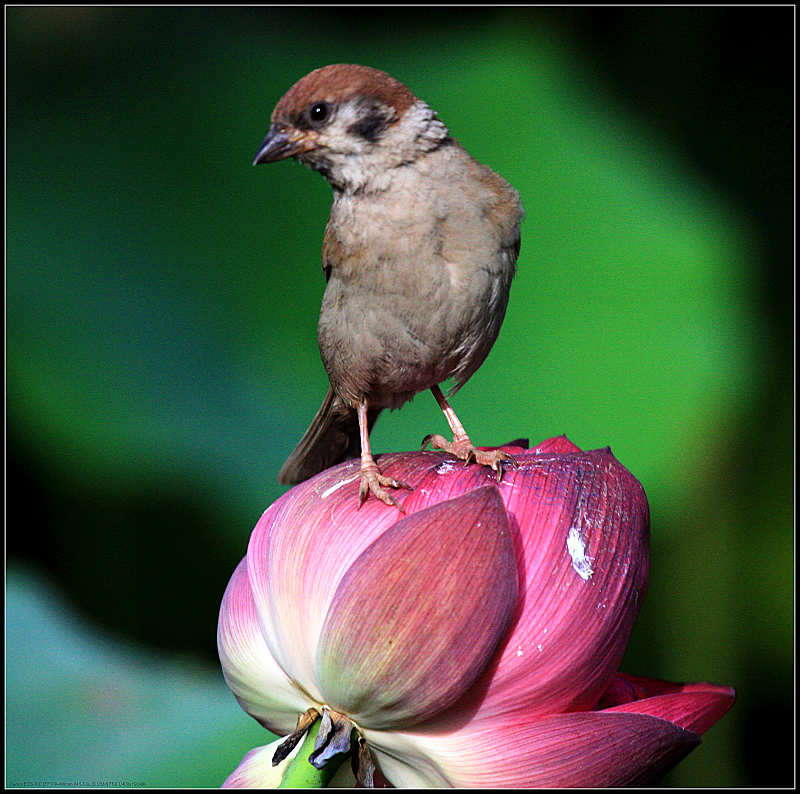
331,438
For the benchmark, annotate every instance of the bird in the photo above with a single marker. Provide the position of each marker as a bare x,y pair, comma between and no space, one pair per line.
418,255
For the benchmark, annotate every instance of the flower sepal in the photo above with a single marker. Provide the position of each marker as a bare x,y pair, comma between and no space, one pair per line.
304,722
331,738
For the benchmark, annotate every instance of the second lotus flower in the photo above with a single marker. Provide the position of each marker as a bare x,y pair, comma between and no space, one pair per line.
473,642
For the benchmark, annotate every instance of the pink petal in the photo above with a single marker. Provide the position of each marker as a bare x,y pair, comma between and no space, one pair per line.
255,770
556,446
299,551
250,670
694,707
581,749
582,536
584,524
419,614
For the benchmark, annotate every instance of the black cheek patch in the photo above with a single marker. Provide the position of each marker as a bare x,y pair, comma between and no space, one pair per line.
371,126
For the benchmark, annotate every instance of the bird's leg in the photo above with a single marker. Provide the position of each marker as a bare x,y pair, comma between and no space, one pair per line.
461,446
372,481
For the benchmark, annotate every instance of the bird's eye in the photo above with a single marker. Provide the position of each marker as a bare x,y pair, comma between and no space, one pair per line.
318,112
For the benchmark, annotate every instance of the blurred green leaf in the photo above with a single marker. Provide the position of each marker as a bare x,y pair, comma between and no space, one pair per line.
86,710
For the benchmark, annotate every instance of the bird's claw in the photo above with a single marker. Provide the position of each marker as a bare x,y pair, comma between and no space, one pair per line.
440,442
498,459
373,482
464,450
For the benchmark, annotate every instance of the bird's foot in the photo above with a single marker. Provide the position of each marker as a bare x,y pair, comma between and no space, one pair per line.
464,450
373,482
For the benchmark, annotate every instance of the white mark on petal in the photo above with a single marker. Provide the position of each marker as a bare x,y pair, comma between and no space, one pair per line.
519,650
445,467
576,546
539,646
328,491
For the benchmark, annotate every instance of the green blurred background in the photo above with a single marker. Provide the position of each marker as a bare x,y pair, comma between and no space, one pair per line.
162,300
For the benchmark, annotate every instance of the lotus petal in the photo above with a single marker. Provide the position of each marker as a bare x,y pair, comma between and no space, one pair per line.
582,529
695,707
256,679
591,749
419,614
298,553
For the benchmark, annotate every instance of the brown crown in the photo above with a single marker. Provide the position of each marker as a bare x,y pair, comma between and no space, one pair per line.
340,82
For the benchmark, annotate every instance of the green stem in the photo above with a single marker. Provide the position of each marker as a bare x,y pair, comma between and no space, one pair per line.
302,774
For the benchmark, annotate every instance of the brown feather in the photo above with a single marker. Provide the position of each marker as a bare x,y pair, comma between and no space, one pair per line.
340,82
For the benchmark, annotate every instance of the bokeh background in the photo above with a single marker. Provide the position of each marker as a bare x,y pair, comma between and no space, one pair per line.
162,299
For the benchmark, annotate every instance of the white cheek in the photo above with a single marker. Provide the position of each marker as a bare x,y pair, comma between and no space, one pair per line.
337,136
354,162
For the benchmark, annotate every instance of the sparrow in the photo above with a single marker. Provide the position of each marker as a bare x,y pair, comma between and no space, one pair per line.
419,253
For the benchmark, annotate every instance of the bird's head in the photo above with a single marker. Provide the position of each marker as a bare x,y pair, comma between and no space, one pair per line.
351,123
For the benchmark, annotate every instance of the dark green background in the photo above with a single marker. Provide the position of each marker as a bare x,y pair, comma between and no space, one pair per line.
162,298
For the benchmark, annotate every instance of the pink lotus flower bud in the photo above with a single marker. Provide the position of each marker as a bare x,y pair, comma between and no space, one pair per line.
472,642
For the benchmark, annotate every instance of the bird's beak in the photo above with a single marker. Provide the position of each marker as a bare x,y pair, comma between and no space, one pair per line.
281,143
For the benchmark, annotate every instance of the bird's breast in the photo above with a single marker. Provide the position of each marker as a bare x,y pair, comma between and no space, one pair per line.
417,290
